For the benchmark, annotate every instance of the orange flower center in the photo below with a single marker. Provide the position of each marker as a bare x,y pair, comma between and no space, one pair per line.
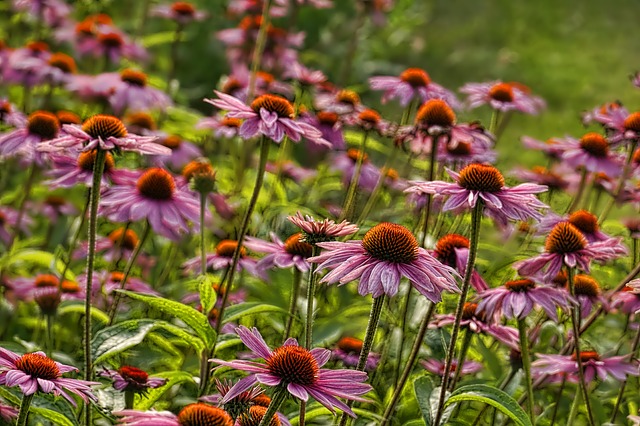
393,174
231,85
586,356
586,285
116,277
595,144
134,77
354,154
63,62
197,168
274,104
502,92
565,238
225,248
43,124
5,107
469,310
369,116
293,245
461,148
68,117
293,364
391,242
156,183
172,141
38,366
141,119
111,40
445,248
183,8
87,160
435,112
350,345
327,118
69,287
254,417
46,280
415,77
38,46
133,374
203,415
348,97
55,200
632,122
481,177
262,400
265,76
104,126
231,122
520,286
585,221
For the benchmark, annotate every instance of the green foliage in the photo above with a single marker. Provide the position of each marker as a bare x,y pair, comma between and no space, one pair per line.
491,396
174,378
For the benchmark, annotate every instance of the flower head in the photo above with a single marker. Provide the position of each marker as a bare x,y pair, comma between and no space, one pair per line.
437,367
348,351
321,231
132,379
503,96
592,363
412,83
198,414
291,252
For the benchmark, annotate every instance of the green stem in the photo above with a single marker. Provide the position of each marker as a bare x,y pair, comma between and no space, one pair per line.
426,212
203,252
129,398
408,366
476,217
24,409
372,326
173,63
261,41
633,354
49,335
276,401
295,289
403,334
574,409
575,322
526,365
98,169
311,290
581,187
555,408
466,342
76,235
127,271
493,125
373,198
23,203
350,200
623,178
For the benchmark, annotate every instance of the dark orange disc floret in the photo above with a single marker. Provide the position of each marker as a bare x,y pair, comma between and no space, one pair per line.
38,46
520,286
55,200
350,345
156,183
502,92
391,242
46,280
38,366
63,62
293,364
183,8
5,107
203,415
586,285
231,85
327,118
134,77
116,277
141,119
481,177
43,124
68,117
632,122
369,116
69,287
231,122
393,174
416,77
273,103
461,148
354,154
225,248
595,144
112,40
445,248
197,168
586,356
348,97
87,160
133,374
104,126
469,310
85,28
266,77
254,417
294,246
262,400
172,141
435,112
585,221
565,238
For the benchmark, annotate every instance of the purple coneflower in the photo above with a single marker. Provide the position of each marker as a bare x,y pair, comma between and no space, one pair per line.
330,126
180,11
348,351
340,102
129,90
68,171
304,75
503,97
386,253
593,365
191,415
132,379
9,114
182,152
8,413
436,366
552,147
8,222
554,179
591,151
297,370
291,252
223,127
223,258
41,127
627,299
588,294
624,126
321,231
24,288
34,372
585,221
346,162
412,84
453,251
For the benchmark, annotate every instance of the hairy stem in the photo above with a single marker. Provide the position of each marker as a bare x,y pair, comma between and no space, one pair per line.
526,365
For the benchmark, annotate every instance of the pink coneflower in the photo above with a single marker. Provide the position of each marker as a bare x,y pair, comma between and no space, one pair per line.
369,120
181,11
223,127
132,379
154,197
129,90
453,250
290,170
588,294
341,102
624,126
111,249
112,44
321,231
291,252
237,84
477,322
59,69
553,178
566,245
584,220
182,152
8,222
386,253
111,282
191,415
503,97
600,113
268,115
627,300
412,83
592,153
9,114
106,132
53,207
41,127
485,183
297,370
436,366
346,162
552,147
461,153
69,171
8,413
24,289
223,258
329,124
304,75
52,12
592,364
34,372
348,351
24,65
516,299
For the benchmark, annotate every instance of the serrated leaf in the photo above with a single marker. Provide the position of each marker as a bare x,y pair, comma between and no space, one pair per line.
207,295
491,396
240,310
423,387
153,395
197,321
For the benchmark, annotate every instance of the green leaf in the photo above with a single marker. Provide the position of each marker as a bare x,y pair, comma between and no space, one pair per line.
207,295
38,408
157,39
153,395
78,308
197,321
240,310
423,387
55,417
42,258
491,396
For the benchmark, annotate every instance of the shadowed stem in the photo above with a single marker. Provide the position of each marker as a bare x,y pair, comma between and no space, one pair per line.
632,354
350,200
127,271
555,408
581,187
623,178
49,334
295,290
203,253
311,289
372,326
403,334
276,401
476,216
426,212
575,322
23,204
261,41
466,342
371,201
24,409
526,365
98,169
415,349
173,63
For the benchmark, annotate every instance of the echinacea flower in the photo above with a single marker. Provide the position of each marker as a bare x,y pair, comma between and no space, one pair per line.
182,152
386,253
180,11
453,251
223,127
298,370
129,90
10,115
480,182
592,364
584,220
41,127
192,415
321,231
132,379
346,162
503,96
68,171
106,132
291,252
627,300
36,372
588,294
516,299
154,197
223,258
348,351
9,221
622,125
8,413
341,102
591,152
268,115
412,84
437,367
